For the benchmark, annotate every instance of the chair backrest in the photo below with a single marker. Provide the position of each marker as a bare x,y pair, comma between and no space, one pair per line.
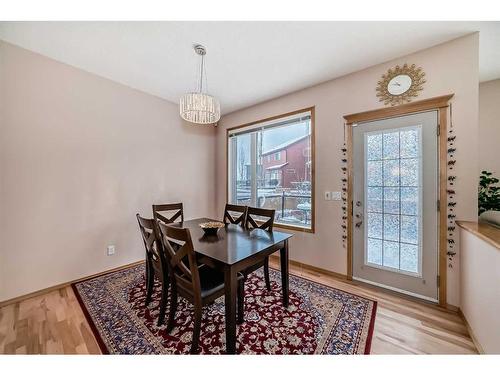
150,237
234,219
175,210
186,273
263,215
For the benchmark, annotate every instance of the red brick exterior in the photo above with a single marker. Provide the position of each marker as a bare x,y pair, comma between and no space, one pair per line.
294,158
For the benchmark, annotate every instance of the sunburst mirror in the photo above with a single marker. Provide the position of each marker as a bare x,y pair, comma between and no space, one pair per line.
400,84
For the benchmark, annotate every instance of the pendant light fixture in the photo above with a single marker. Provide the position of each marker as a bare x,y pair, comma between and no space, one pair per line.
199,107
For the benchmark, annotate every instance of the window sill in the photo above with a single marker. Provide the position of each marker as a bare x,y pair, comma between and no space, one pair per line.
294,228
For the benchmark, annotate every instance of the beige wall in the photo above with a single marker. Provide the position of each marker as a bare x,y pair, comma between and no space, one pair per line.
450,68
79,156
480,290
98,152
489,126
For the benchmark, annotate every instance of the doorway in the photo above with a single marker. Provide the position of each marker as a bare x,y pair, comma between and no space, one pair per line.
395,192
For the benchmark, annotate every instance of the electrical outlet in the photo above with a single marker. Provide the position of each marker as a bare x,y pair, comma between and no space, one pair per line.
111,250
328,195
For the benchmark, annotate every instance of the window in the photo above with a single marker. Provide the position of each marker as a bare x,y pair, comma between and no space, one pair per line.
271,164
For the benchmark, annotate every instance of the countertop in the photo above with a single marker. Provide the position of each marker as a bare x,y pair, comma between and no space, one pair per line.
484,231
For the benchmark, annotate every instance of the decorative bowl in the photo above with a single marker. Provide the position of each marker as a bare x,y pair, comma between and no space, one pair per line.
211,227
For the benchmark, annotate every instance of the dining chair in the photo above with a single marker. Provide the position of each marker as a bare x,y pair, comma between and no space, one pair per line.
229,214
156,262
263,219
199,284
175,209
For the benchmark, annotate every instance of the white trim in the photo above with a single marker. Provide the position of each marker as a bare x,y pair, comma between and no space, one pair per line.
396,290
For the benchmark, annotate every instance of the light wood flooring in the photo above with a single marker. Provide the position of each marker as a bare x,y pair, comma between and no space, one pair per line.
54,323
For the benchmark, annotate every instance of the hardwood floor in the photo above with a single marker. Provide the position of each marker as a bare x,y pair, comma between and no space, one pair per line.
54,323
50,323
403,325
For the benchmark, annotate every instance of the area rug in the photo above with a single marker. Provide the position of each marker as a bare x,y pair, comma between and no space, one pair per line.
319,319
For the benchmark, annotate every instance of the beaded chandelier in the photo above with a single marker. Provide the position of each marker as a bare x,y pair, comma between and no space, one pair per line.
199,107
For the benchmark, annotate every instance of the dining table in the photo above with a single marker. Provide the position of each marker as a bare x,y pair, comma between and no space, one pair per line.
231,250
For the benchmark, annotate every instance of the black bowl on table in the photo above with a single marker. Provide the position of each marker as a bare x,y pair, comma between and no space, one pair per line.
211,227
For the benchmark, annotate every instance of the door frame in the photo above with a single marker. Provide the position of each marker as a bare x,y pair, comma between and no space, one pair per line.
439,104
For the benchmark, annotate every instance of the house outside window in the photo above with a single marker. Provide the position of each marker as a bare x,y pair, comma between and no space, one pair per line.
271,164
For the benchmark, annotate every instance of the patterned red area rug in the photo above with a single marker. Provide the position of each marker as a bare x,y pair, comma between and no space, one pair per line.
319,320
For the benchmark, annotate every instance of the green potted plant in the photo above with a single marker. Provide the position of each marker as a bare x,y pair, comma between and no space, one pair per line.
489,194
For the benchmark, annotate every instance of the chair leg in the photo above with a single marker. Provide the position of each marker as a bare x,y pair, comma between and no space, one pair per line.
197,328
150,282
241,301
266,274
173,307
163,302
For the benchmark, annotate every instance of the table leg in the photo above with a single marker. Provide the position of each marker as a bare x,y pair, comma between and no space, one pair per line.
284,272
230,287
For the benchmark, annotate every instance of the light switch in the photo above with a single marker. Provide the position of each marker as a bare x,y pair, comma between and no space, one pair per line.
336,195
111,249
328,195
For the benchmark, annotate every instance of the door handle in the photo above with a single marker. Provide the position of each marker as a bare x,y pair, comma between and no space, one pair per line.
360,222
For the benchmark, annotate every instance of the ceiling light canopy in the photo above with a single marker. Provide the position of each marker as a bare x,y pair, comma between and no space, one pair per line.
199,107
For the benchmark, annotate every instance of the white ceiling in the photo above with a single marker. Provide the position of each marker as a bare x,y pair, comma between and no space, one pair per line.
247,62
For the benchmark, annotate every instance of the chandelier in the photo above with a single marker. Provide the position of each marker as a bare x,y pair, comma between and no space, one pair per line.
199,107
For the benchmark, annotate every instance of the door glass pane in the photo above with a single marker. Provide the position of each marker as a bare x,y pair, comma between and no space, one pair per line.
374,173
374,203
393,192
391,172
391,227
410,143
374,251
409,229
409,200
391,145
409,172
374,147
374,225
391,254
391,200
409,258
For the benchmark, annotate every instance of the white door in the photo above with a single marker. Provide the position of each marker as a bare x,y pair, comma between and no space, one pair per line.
395,210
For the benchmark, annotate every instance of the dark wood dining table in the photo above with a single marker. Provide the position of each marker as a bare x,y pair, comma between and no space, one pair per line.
232,250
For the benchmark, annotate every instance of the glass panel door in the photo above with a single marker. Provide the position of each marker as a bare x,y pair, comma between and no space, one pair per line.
395,190
392,195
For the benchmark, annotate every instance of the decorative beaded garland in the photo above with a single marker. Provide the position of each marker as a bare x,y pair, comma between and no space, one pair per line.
344,191
451,163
